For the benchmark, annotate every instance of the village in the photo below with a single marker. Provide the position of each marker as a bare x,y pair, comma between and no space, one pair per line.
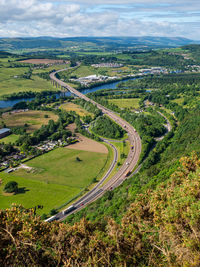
7,162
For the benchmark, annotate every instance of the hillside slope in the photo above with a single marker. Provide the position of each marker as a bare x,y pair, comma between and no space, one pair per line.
160,228
111,43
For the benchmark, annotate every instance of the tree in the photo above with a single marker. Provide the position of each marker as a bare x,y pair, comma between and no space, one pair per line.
11,187
78,159
53,212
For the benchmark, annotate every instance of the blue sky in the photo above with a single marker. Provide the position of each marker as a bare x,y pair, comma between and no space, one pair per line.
100,18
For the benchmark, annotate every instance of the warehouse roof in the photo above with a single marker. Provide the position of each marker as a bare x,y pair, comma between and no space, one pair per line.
4,130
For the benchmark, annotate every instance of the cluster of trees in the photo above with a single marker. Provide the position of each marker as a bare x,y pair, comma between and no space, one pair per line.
52,131
38,101
44,75
194,51
81,129
6,149
4,54
161,227
11,187
29,94
89,107
105,127
118,94
160,58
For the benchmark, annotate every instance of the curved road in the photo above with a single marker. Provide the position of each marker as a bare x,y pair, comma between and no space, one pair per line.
126,168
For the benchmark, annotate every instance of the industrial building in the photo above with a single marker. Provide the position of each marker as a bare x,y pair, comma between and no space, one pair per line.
4,132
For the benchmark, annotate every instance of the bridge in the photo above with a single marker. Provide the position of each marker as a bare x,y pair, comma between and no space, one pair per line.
126,169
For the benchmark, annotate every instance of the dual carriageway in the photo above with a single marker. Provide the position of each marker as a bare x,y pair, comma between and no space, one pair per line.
125,170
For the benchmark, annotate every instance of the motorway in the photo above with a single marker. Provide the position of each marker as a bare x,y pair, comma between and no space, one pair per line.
125,170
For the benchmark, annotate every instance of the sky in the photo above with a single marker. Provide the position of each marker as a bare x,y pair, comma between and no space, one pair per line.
63,18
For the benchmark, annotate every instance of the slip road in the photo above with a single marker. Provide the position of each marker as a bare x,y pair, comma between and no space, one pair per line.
125,170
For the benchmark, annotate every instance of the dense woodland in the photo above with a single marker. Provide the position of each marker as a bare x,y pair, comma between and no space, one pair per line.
105,127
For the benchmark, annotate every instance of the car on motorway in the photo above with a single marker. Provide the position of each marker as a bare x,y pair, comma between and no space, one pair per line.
128,173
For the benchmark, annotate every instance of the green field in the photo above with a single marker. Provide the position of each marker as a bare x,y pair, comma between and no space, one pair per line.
11,81
84,71
126,103
54,67
10,139
178,100
56,178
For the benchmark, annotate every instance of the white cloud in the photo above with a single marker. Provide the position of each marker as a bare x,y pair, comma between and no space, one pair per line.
101,18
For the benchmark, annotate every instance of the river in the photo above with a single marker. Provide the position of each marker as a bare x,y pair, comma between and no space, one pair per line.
113,85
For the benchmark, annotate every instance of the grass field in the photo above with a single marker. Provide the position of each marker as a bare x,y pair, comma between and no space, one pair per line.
83,71
49,184
73,107
34,118
54,67
178,100
12,82
10,139
126,103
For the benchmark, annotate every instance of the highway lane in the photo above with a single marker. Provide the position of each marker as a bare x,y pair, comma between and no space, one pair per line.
125,170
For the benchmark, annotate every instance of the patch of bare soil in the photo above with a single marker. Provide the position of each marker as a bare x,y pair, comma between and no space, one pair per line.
24,166
71,127
87,144
8,194
42,61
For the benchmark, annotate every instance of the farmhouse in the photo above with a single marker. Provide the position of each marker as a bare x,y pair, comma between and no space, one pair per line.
4,132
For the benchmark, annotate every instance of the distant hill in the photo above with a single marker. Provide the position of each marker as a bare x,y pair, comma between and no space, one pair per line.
108,43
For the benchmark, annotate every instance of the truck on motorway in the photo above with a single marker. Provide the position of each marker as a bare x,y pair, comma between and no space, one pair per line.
51,219
69,209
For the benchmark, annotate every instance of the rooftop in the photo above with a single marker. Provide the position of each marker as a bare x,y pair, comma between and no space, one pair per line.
4,130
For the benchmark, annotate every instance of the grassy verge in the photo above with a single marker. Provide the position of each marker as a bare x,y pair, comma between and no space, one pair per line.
121,149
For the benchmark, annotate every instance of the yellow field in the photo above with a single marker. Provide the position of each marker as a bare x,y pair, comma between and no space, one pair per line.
126,103
73,107
178,100
33,118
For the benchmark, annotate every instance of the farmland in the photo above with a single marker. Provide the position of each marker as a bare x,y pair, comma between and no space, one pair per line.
33,118
12,81
51,185
42,61
126,103
73,107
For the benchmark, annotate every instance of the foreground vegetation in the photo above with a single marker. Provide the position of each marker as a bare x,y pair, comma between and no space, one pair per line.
160,228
